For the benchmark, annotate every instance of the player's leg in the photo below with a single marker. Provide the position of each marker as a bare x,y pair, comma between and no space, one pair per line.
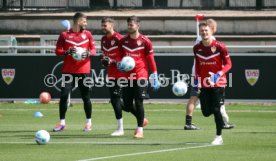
85,89
225,117
115,96
224,114
125,107
217,101
140,92
128,96
65,90
189,111
205,101
140,115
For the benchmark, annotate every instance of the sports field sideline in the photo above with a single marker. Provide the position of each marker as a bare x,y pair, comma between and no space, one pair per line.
252,139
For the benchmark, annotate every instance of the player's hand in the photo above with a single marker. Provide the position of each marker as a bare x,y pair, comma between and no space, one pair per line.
214,78
71,51
120,67
105,60
154,82
85,54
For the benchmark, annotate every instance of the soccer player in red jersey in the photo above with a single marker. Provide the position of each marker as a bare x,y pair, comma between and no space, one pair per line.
139,47
111,55
194,95
212,62
74,71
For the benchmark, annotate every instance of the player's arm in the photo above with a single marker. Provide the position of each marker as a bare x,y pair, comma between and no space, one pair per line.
121,50
103,58
120,55
196,62
92,48
152,64
196,72
227,63
150,56
60,47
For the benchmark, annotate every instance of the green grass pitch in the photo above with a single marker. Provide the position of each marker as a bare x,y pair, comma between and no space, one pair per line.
253,138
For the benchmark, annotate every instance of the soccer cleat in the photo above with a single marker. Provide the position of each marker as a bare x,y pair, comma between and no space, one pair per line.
118,133
217,141
138,135
146,122
59,127
228,126
87,127
191,127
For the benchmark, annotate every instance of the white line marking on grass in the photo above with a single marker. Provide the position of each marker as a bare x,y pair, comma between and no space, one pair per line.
109,143
150,152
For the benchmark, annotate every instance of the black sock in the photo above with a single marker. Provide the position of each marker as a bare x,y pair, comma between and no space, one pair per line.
188,120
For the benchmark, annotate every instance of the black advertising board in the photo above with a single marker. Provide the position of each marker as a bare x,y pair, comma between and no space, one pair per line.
23,76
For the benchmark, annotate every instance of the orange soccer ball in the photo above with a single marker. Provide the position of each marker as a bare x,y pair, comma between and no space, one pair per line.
45,97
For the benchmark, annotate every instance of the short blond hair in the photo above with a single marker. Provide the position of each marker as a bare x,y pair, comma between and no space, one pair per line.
212,24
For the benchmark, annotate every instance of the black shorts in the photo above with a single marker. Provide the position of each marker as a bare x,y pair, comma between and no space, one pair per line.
136,89
211,99
77,80
193,92
114,88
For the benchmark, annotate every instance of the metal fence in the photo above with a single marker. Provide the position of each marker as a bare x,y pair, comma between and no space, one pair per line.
92,4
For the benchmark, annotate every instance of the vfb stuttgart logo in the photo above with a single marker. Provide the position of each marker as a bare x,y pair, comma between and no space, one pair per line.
252,76
8,75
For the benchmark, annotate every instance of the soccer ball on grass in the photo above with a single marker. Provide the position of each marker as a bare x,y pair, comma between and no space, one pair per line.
42,137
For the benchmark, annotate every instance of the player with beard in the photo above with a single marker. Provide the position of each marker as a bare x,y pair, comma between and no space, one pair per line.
111,54
78,70
139,47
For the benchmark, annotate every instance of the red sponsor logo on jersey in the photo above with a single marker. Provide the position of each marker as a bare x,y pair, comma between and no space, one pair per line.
252,76
8,75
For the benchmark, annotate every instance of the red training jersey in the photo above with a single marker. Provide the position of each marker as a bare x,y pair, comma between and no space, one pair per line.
213,58
110,48
140,49
68,39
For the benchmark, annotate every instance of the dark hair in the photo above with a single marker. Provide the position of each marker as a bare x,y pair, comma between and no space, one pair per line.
108,19
133,18
203,23
77,16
